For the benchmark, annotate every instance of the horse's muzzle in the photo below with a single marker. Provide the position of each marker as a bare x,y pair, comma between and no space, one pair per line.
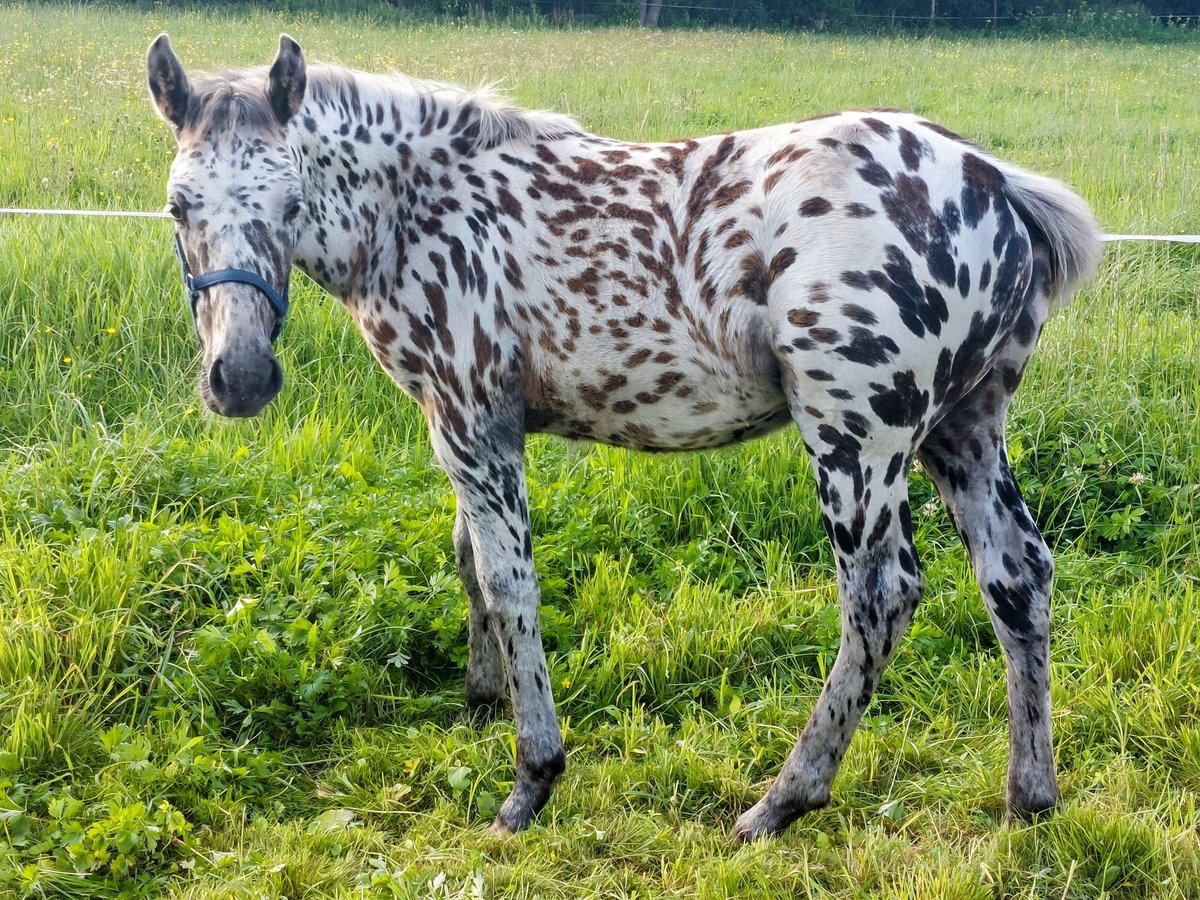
241,385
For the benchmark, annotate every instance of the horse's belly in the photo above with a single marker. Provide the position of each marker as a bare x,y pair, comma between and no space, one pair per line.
659,402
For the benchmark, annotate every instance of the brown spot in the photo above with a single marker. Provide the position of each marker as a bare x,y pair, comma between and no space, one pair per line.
859,314
781,262
483,344
667,380
779,155
613,382
804,318
593,396
512,271
510,205
755,280
815,206
381,331
728,193
737,239
825,335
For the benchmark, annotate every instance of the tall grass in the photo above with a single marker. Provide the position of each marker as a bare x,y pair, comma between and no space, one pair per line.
232,652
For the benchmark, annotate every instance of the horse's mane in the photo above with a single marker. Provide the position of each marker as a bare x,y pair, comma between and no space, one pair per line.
239,97
235,97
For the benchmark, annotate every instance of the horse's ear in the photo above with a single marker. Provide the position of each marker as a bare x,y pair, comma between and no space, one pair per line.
168,82
285,84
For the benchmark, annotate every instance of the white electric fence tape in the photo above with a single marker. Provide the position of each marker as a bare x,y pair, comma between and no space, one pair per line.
85,212
1169,238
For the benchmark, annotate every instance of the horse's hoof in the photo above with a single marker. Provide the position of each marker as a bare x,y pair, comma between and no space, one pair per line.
499,828
762,820
1031,795
770,815
1028,807
530,793
513,817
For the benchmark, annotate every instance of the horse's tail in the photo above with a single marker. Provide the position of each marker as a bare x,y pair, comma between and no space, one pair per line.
1059,219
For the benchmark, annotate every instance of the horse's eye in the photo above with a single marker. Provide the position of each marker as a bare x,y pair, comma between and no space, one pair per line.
175,211
293,210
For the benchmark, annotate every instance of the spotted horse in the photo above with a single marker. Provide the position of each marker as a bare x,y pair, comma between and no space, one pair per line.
869,276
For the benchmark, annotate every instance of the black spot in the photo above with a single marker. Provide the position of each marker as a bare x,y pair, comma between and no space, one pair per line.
881,526
859,314
983,185
921,308
911,149
964,279
883,129
903,404
874,174
895,464
856,423
868,348
907,206
1012,603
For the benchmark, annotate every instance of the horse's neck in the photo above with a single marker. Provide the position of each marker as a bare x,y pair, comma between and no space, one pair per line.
369,161
381,163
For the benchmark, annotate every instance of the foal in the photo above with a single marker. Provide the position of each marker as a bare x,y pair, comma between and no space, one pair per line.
870,276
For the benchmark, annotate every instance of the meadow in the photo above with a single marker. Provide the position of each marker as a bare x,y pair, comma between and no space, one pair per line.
231,653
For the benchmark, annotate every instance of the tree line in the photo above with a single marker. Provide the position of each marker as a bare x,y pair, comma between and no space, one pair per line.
822,14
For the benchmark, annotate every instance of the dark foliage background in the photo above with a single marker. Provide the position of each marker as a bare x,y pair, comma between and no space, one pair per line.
1102,17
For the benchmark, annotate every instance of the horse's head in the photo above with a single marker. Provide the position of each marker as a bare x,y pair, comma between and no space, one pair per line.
235,194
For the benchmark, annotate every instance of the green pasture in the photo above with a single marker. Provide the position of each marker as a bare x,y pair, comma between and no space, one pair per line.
231,653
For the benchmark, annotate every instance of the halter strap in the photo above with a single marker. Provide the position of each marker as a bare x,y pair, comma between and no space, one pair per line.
194,284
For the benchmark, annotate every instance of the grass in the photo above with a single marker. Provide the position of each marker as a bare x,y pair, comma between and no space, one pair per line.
232,654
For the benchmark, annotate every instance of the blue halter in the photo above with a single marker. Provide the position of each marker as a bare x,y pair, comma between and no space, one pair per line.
196,283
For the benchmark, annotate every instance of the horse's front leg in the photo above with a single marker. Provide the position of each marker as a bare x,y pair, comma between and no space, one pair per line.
486,687
483,458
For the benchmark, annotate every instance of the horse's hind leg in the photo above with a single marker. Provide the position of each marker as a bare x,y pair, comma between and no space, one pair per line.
486,683
965,456
864,501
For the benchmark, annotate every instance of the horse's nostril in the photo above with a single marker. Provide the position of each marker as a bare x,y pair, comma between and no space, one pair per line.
216,378
275,379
